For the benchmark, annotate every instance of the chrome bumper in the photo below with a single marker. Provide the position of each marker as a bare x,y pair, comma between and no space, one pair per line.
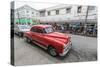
66,49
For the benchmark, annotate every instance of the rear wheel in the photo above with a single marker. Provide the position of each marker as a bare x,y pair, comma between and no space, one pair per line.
52,51
27,39
20,34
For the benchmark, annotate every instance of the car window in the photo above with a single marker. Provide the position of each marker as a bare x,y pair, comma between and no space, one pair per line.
15,26
39,30
49,30
33,29
24,27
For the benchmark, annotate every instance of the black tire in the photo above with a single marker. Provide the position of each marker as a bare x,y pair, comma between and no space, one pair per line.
52,51
20,34
27,39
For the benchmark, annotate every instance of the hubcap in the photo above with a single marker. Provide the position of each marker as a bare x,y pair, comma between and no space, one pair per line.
25,38
19,34
28,40
53,52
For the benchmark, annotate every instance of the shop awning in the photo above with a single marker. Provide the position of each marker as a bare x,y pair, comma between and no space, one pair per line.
26,21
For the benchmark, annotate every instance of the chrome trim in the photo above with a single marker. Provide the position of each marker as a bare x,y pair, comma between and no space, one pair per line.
40,45
65,51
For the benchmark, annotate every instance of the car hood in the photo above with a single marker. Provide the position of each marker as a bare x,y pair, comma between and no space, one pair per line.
56,36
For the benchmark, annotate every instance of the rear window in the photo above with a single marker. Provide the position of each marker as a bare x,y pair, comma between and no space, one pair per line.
24,27
33,29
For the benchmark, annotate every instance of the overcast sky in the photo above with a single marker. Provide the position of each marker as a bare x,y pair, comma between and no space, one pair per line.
35,5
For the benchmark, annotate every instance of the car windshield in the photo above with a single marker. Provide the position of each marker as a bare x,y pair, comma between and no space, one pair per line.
24,27
49,30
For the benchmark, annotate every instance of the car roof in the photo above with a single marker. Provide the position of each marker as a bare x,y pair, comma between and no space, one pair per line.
42,26
22,25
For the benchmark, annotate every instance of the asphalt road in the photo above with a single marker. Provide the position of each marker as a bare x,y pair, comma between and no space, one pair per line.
83,49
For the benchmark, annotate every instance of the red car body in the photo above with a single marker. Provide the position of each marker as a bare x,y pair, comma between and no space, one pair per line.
59,41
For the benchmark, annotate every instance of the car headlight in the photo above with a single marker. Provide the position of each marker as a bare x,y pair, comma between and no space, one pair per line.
64,46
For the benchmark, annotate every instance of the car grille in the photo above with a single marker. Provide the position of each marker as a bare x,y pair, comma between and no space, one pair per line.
67,46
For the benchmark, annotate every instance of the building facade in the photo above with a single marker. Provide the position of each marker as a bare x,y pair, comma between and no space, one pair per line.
69,14
60,14
26,15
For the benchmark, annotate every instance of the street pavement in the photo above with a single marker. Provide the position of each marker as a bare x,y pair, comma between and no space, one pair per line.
83,49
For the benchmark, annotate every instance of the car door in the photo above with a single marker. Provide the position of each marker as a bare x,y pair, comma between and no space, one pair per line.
33,34
37,35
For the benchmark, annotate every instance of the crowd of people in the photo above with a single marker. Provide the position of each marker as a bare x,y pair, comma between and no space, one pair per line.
80,29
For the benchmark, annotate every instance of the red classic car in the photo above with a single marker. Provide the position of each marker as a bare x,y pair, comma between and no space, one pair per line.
55,43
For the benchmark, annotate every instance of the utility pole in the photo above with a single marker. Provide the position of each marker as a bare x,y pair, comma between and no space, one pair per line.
85,26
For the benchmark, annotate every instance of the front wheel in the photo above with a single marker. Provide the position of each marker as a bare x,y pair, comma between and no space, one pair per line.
52,51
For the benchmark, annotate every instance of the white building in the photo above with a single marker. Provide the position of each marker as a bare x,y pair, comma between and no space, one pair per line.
26,14
60,14
68,13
